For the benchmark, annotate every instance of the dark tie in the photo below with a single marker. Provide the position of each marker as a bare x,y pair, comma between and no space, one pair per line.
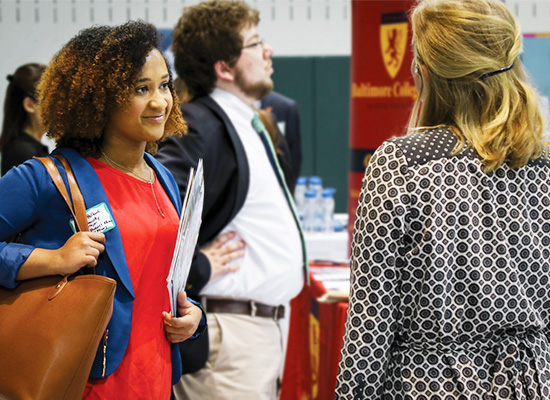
264,136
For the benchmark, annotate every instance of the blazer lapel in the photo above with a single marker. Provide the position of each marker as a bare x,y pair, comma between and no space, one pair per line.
93,194
242,160
167,182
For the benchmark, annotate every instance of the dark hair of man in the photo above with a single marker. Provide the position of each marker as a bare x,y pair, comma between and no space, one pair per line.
22,84
91,76
205,34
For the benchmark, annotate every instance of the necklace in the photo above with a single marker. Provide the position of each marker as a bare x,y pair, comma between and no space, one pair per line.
150,181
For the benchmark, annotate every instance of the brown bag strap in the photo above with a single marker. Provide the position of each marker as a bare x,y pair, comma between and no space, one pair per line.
76,194
79,209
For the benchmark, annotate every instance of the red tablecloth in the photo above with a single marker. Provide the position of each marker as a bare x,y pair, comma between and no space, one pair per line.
314,342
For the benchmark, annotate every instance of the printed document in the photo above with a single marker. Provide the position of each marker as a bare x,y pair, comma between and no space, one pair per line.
190,222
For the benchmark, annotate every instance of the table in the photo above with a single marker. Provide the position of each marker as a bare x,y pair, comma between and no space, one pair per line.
314,342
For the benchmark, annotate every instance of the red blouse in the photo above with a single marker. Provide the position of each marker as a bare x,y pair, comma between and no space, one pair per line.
148,239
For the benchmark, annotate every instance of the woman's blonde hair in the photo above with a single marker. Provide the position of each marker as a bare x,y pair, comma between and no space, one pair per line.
461,42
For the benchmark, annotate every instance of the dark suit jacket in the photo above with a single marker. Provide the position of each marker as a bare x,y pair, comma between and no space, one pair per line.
286,110
212,137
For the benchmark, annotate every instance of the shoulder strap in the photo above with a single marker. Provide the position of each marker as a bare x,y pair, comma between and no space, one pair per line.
76,194
79,209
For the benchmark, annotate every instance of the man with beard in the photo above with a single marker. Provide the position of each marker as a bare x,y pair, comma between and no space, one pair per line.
226,67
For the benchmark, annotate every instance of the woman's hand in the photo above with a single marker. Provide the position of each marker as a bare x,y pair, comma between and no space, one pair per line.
183,327
81,250
220,254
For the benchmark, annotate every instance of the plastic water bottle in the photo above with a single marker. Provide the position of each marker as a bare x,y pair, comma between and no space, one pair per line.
299,197
316,183
310,210
327,210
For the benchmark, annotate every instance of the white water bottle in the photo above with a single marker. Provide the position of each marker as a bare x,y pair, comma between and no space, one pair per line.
310,210
327,210
316,183
299,197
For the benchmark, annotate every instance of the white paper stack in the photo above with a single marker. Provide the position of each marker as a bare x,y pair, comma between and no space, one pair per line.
190,222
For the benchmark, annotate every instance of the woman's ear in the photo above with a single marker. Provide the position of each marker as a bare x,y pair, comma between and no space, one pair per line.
29,105
224,72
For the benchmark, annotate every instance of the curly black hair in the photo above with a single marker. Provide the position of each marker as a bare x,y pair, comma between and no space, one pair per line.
92,75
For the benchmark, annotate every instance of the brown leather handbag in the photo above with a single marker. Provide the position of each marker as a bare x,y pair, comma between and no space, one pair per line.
51,327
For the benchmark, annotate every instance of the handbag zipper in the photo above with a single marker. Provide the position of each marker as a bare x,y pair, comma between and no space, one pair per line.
105,337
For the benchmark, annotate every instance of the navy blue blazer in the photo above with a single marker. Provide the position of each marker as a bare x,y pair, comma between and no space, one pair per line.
31,205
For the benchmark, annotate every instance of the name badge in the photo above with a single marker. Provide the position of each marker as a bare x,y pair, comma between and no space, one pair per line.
99,219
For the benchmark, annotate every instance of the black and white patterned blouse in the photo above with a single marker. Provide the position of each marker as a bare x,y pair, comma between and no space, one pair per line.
450,281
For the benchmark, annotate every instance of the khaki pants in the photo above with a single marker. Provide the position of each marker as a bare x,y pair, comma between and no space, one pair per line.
244,361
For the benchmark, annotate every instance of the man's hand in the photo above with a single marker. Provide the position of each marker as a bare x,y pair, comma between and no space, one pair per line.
220,254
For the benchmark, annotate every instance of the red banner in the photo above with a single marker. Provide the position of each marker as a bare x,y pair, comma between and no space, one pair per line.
382,94
314,343
382,87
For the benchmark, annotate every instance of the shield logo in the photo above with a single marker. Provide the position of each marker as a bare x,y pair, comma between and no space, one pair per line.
393,40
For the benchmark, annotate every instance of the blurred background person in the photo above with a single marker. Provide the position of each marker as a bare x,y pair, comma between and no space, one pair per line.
181,90
280,145
287,117
450,265
22,130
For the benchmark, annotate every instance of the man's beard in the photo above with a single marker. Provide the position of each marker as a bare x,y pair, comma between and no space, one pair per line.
254,90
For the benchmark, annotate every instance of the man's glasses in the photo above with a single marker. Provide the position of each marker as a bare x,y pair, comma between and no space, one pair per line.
255,44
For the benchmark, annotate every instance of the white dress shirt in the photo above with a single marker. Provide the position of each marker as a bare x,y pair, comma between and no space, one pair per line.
271,270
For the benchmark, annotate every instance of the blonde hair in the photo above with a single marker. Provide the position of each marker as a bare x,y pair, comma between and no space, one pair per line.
459,41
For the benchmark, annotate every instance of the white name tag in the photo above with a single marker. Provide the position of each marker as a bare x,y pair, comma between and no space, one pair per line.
99,219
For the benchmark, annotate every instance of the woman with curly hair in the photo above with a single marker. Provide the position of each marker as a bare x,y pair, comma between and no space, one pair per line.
107,99
450,267
22,129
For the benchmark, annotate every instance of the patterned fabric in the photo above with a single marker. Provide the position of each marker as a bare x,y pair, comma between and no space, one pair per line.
450,294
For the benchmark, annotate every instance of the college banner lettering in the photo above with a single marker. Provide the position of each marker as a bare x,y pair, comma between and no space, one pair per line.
382,87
